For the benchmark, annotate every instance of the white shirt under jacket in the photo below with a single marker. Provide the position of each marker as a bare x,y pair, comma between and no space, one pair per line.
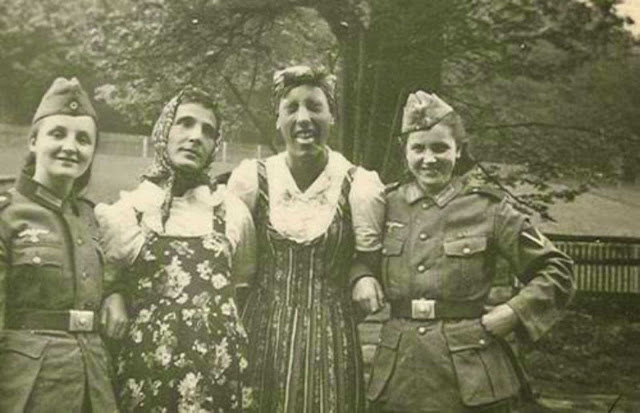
122,237
303,216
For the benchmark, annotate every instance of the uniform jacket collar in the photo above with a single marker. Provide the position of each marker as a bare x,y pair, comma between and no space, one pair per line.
40,193
413,193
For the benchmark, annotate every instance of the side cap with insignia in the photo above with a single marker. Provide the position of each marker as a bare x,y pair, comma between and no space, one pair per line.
65,97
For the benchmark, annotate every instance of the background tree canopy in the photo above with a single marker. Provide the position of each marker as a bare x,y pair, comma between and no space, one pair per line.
545,85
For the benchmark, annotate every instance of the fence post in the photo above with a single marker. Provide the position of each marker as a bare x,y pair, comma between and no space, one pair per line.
224,151
145,146
259,150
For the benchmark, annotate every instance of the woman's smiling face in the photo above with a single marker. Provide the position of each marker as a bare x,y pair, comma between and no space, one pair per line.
63,148
304,120
431,156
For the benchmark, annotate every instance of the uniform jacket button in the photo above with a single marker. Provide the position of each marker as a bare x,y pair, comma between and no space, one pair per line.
79,241
482,342
384,250
425,205
85,274
423,236
421,268
422,330
36,260
466,250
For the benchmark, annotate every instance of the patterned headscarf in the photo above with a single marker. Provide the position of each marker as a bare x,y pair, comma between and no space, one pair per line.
162,171
286,79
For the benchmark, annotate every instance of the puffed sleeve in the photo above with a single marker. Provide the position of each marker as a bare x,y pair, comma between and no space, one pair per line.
121,236
241,233
545,271
244,182
367,203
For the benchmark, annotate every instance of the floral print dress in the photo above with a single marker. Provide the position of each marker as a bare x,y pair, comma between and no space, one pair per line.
185,349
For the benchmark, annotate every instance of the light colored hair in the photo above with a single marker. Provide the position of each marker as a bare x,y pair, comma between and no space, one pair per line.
286,79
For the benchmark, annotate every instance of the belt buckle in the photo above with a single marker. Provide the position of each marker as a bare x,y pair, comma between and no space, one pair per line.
80,320
423,309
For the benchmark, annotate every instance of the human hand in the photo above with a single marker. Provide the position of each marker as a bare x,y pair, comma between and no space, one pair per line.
367,292
500,321
113,316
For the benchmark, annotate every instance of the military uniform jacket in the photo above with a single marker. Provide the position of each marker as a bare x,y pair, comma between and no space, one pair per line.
444,248
49,260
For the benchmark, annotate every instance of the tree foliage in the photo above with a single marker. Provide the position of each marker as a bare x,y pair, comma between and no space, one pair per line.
543,84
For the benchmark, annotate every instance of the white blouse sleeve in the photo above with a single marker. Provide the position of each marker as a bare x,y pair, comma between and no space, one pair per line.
241,233
367,202
121,237
244,182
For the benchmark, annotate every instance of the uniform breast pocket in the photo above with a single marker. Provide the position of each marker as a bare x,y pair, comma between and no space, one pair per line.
36,272
38,255
483,369
392,260
464,267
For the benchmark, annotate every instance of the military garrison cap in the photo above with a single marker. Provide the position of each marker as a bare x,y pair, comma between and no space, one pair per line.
423,111
65,97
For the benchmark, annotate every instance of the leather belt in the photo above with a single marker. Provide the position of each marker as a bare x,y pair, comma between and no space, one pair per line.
424,309
69,320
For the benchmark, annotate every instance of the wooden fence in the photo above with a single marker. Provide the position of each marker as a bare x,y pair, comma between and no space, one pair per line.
603,264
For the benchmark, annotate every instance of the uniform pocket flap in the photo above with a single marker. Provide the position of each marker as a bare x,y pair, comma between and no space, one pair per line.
27,344
463,336
484,372
38,255
465,246
392,246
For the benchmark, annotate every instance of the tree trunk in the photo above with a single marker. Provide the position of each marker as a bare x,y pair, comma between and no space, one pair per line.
379,66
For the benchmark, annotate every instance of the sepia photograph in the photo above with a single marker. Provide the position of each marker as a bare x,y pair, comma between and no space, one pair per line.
319,206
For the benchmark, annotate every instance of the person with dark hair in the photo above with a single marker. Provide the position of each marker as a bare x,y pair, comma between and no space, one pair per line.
52,358
182,245
319,221
443,350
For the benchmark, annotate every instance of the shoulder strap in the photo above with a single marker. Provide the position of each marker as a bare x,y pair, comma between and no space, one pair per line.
343,201
494,193
263,183
219,218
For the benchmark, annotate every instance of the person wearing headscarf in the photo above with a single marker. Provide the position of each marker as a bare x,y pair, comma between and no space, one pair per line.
52,358
319,222
443,350
182,246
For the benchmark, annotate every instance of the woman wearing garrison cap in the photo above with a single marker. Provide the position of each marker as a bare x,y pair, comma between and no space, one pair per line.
442,351
52,358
